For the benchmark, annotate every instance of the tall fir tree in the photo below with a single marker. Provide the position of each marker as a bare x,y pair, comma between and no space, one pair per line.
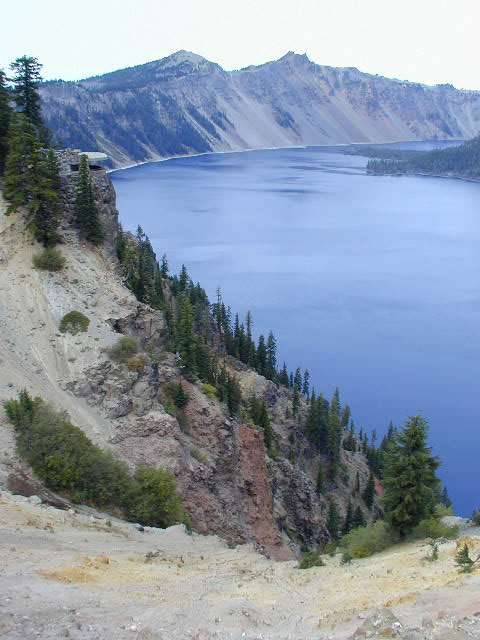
369,491
86,210
332,522
358,518
5,115
26,78
348,524
320,479
264,422
409,477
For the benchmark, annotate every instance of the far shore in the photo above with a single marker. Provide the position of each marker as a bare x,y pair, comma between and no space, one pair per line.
300,146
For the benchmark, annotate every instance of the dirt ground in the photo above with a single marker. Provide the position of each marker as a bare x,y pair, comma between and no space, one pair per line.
75,575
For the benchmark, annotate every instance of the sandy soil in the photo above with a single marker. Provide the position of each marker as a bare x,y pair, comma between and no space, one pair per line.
76,575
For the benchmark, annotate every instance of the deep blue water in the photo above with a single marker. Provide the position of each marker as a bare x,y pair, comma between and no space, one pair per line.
372,283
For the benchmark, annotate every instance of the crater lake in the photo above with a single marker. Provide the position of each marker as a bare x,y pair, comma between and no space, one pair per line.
371,283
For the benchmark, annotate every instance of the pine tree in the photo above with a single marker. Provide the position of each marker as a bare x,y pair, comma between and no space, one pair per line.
320,479
445,498
261,356
332,522
348,524
5,115
306,383
297,380
334,435
369,491
85,207
181,398
185,336
265,424
26,79
164,266
409,477
295,400
271,360
358,519
463,560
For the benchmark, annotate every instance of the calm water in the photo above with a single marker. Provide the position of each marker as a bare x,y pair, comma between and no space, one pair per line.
372,283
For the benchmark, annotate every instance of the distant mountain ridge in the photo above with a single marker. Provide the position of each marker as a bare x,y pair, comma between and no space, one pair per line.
184,104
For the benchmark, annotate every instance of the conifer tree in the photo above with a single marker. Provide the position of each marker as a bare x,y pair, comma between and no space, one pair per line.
306,383
297,380
369,491
409,477
348,524
332,522
164,266
358,519
271,359
295,400
261,356
5,114
26,79
85,207
320,479
185,336
264,422
333,435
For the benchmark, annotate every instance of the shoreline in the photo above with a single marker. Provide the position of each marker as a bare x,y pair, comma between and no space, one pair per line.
424,175
249,150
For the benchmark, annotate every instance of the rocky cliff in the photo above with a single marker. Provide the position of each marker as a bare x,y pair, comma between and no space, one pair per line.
229,484
184,104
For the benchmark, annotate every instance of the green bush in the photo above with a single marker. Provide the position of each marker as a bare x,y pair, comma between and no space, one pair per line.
476,517
365,541
67,461
434,528
49,260
210,390
156,501
199,455
123,349
74,322
311,559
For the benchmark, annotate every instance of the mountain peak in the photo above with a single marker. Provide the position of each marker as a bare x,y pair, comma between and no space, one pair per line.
294,58
183,56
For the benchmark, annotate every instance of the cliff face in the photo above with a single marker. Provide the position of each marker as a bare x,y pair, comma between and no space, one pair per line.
185,104
229,484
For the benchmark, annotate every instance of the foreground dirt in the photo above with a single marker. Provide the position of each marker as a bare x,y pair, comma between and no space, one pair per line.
80,575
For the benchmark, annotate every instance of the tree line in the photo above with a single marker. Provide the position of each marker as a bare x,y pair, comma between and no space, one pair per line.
29,164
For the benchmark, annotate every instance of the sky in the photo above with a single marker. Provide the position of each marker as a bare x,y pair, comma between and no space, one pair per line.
428,41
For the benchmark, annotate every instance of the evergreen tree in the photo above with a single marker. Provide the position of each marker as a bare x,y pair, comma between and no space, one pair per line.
320,479
26,79
409,477
283,377
445,498
358,519
297,380
185,336
271,359
334,435
164,266
5,114
295,400
181,398
261,356
348,524
369,491
85,207
332,522
345,417
264,422
306,383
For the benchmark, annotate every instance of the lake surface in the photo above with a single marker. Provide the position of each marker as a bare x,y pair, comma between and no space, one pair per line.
372,283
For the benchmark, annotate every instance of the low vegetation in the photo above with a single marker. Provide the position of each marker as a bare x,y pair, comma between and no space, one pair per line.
124,349
49,260
365,541
311,559
67,461
74,322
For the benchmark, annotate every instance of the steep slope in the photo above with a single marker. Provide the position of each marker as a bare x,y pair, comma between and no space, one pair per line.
229,485
185,104
72,575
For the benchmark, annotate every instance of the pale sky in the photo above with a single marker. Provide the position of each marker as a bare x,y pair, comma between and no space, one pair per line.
429,41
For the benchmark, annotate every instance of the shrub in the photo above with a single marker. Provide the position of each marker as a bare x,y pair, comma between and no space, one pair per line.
198,455
156,501
137,363
476,517
210,390
434,528
49,260
63,456
365,541
180,398
123,349
463,560
441,510
74,322
346,557
311,559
